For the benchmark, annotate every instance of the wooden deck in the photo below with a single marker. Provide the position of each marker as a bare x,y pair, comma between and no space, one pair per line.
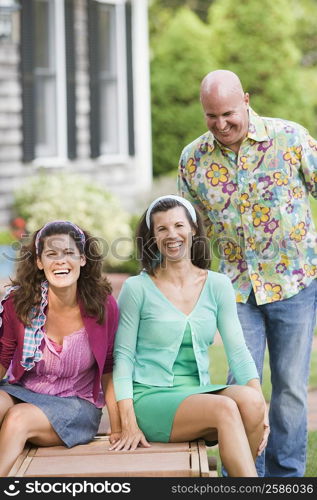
188,459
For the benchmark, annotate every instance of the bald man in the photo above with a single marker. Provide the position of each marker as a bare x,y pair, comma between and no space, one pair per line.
250,177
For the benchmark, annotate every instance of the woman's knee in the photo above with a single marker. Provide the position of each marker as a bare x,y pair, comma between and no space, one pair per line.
251,406
16,420
227,411
6,403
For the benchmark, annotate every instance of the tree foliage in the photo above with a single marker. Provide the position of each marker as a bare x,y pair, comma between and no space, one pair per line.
200,7
181,58
305,13
257,43
271,45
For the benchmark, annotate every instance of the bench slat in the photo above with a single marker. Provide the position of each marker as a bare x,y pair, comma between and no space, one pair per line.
95,460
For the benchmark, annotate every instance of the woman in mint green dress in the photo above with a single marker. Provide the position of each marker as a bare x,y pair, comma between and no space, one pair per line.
169,315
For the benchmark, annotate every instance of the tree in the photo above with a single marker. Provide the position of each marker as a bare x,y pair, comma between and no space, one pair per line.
305,13
181,58
200,7
256,41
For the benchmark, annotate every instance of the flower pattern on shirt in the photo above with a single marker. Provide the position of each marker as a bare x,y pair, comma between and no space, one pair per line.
256,204
217,174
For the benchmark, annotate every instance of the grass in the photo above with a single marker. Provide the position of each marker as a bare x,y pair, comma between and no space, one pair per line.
311,466
219,368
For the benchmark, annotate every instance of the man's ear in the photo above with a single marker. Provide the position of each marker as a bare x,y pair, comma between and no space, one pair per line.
247,99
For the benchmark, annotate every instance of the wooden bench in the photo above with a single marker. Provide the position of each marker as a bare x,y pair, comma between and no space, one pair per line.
95,460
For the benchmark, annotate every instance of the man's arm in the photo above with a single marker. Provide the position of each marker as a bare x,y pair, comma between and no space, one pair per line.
308,152
188,190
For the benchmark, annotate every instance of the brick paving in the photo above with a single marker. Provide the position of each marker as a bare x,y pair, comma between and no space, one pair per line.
117,280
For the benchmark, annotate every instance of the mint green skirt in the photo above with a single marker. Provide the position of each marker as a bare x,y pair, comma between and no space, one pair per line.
155,407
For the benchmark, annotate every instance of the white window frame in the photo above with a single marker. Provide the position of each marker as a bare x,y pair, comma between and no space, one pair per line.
59,48
122,100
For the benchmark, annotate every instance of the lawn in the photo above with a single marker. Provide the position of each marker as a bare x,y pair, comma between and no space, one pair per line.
218,369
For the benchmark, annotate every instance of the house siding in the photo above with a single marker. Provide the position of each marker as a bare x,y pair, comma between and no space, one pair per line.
127,177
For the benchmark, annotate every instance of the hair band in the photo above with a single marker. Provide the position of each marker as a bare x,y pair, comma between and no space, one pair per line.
181,200
66,222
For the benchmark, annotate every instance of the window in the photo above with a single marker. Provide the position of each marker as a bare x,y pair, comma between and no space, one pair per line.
45,79
45,51
108,86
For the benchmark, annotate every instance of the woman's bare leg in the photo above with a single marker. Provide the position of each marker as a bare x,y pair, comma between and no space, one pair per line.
251,408
210,415
21,423
6,402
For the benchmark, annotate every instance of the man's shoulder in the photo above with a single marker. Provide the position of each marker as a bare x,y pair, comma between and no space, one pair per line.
202,144
277,126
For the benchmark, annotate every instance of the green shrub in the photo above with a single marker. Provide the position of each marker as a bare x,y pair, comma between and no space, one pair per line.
6,237
181,58
131,266
48,197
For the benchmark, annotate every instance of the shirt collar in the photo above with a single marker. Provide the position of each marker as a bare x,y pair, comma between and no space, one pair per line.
257,130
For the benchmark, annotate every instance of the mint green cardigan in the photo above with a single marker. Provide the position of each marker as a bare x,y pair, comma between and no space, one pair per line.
151,331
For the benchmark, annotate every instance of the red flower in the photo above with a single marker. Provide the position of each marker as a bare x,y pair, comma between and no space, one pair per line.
18,227
18,222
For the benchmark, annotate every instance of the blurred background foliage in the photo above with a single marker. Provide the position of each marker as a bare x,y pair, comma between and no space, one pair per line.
271,45
63,196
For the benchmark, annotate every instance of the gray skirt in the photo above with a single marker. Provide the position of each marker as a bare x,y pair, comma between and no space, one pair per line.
75,420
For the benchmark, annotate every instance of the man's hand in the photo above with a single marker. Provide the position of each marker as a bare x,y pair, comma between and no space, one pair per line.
266,433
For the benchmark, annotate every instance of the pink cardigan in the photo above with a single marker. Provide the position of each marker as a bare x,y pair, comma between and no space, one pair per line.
101,340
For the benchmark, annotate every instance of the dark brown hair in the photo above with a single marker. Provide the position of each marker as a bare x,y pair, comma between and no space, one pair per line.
148,253
92,287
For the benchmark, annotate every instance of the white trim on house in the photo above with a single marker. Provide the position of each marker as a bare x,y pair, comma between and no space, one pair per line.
61,100
122,78
142,99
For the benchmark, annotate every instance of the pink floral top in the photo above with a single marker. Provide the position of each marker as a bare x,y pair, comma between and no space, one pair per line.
65,370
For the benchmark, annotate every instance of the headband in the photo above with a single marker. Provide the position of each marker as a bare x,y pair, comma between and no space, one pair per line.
181,200
68,223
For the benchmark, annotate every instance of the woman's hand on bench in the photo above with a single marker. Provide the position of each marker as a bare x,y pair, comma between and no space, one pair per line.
130,439
114,436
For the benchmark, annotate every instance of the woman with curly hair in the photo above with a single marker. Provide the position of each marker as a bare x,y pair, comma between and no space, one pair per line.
57,331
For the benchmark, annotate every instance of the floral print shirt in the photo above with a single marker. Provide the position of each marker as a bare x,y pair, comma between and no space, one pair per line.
255,205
